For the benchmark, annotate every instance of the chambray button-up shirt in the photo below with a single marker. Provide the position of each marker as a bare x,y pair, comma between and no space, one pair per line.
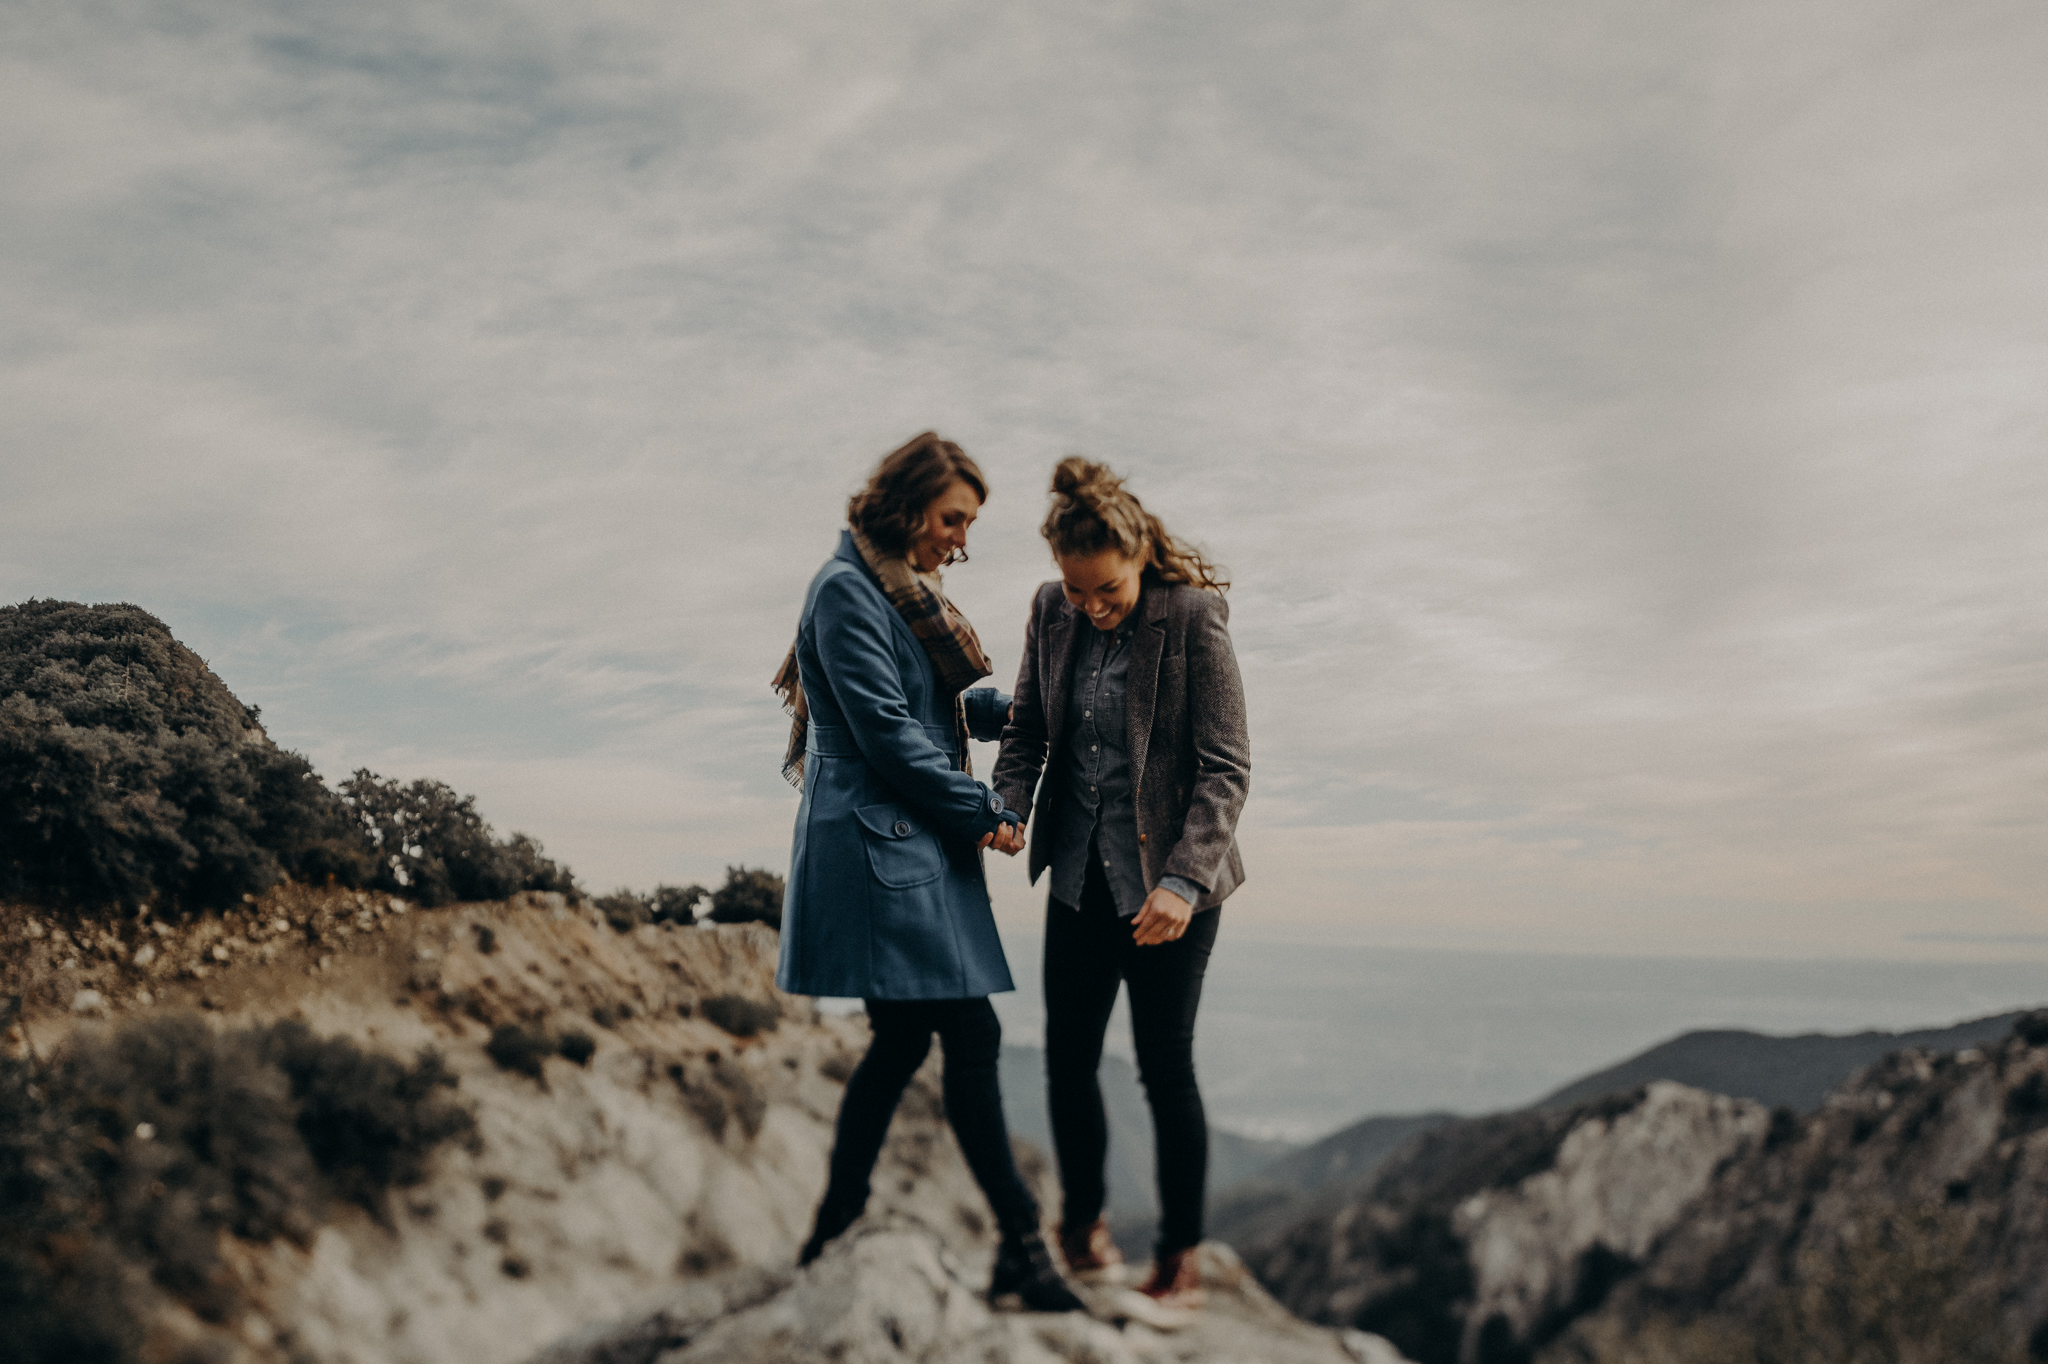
1101,809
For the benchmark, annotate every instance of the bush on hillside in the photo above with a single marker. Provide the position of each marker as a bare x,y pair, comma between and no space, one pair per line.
749,895
125,1159
130,775
431,844
742,1017
624,910
676,904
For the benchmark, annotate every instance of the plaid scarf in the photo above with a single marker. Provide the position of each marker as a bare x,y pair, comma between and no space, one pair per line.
949,641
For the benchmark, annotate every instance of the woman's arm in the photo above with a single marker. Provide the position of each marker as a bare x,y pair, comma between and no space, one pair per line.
988,710
1222,747
859,655
1022,756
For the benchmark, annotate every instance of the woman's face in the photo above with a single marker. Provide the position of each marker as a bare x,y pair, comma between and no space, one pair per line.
1103,586
946,520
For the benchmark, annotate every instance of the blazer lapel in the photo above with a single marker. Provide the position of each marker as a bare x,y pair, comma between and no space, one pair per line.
1148,644
1058,677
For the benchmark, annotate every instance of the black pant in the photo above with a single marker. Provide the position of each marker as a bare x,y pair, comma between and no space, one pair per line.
971,1038
1088,954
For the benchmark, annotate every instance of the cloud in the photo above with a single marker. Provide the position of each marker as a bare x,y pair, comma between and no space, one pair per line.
1621,421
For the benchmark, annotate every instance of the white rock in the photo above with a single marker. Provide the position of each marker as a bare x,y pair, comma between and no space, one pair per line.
1618,1184
88,1002
1367,1348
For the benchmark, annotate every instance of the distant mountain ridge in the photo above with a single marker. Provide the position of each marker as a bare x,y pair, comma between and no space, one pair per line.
1783,1072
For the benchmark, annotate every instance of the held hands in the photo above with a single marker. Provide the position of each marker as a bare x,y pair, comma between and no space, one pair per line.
1007,840
1164,918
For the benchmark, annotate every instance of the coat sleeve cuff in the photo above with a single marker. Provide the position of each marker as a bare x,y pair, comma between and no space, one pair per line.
988,710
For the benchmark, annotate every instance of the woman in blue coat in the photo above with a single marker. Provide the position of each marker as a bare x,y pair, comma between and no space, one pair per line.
886,898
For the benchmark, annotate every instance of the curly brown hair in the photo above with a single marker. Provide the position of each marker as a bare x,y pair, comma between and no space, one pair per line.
890,509
1093,511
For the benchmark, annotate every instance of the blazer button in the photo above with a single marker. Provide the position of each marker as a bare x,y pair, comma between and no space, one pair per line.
1141,838
902,828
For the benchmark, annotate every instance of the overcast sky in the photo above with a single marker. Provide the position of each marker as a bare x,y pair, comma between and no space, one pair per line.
1623,421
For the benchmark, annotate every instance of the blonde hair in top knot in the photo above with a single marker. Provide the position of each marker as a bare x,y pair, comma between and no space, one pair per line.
1092,511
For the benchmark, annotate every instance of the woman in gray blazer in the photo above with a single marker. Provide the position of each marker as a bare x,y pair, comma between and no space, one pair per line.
886,899
1128,736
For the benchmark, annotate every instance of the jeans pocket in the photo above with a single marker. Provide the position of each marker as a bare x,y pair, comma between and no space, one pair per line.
901,852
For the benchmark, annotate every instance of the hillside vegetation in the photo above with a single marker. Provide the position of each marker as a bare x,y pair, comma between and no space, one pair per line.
130,776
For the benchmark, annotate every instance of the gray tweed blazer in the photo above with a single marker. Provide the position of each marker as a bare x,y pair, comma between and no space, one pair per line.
1190,756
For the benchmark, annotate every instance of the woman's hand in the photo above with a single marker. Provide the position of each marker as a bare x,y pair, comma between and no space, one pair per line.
1164,918
1008,839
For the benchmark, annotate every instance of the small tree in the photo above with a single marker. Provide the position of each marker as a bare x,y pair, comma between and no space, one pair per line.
749,895
432,843
677,904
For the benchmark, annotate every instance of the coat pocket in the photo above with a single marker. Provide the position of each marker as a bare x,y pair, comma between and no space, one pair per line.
901,851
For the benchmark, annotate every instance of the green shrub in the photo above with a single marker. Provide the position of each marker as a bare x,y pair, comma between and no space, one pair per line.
62,1293
368,1121
125,1158
624,910
130,775
749,895
718,1093
676,904
519,1047
740,1016
431,844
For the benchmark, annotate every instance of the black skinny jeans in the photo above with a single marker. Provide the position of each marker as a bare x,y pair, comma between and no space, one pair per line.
971,1039
1088,954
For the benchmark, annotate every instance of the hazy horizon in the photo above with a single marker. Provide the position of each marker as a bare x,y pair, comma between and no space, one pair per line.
1623,423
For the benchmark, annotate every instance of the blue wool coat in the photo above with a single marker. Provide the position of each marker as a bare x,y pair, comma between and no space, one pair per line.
886,897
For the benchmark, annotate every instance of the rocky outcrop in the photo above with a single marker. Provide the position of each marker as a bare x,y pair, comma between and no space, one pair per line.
892,1292
1669,1226
675,1152
1912,1207
1481,1239
651,1126
1553,1245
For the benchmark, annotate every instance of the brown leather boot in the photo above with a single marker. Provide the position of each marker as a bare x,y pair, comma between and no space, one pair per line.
1091,1253
1176,1280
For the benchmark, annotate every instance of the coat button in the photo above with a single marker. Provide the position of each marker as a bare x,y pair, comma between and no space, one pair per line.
902,828
995,803
1141,838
